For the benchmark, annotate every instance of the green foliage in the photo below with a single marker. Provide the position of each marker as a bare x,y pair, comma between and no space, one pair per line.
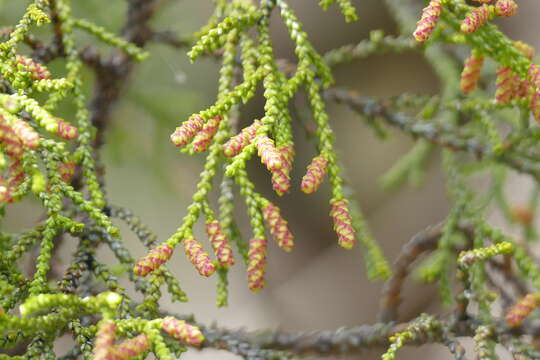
423,326
57,162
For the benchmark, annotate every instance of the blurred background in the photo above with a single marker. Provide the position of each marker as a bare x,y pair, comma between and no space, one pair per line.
318,285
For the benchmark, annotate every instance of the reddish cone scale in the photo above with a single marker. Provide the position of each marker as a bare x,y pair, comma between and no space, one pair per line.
342,223
237,143
534,76
522,309
268,153
130,348
220,244
26,133
506,8
105,338
281,180
67,170
66,130
256,264
198,257
476,19
203,139
9,188
471,73
278,227
535,105
185,132
314,175
428,21
35,69
153,260
11,143
182,331
506,85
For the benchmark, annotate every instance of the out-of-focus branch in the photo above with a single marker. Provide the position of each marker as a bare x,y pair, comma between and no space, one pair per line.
508,279
170,38
342,341
444,135
112,77
262,344
420,243
424,241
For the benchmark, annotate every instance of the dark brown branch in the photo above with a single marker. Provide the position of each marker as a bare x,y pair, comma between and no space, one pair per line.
424,241
112,77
